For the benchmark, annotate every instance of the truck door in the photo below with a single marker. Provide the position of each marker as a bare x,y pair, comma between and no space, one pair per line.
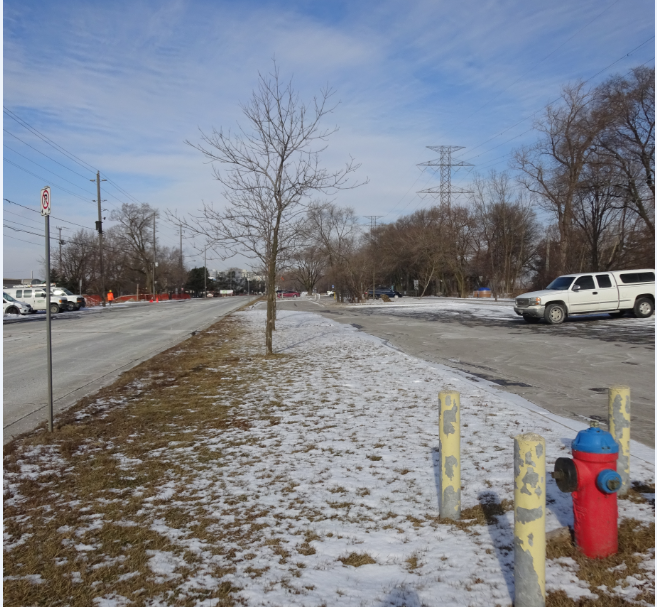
39,300
607,293
585,298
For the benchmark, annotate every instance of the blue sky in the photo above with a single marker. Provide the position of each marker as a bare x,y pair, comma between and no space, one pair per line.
121,85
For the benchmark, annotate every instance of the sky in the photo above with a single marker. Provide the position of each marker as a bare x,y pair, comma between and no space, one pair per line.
118,87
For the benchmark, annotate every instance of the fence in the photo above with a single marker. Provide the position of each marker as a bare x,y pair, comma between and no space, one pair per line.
95,300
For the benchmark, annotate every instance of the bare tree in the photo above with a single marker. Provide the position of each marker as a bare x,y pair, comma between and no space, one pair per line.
308,267
553,166
135,236
628,143
336,231
507,231
270,169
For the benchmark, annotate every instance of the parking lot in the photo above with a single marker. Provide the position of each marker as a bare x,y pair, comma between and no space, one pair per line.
565,368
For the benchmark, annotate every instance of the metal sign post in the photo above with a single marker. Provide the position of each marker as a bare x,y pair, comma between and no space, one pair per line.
45,211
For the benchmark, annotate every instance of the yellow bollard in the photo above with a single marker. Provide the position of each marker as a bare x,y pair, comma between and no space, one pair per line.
529,520
450,455
619,428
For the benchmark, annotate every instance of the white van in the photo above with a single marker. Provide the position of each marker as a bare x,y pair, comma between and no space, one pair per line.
616,293
36,297
13,306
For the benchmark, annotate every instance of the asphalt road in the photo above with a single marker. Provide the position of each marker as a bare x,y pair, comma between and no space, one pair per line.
566,368
90,349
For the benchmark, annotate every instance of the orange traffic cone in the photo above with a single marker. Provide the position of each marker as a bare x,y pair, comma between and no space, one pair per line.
157,300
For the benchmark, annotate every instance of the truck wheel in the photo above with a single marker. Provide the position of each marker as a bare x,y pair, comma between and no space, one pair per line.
532,320
54,309
11,310
70,306
555,314
643,308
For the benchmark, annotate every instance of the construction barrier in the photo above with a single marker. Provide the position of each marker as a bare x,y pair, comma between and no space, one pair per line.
96,300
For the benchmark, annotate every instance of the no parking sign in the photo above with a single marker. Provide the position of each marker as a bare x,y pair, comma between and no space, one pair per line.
45,201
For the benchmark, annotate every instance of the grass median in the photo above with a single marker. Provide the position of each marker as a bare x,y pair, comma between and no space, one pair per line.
213,475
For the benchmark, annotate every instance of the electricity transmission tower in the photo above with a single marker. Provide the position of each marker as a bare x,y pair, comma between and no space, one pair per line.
445,163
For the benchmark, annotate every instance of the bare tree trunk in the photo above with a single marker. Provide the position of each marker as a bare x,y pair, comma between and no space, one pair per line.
271,303
271,292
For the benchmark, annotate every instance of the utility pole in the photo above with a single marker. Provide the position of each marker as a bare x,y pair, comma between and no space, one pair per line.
373,219
153,253
182,271
445,163
205,272
99,227
61,242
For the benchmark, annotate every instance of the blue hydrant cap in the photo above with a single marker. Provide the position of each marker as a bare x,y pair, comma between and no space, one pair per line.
595,440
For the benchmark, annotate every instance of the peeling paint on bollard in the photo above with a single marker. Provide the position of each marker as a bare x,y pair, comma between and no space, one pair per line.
529,520
619,428
450,455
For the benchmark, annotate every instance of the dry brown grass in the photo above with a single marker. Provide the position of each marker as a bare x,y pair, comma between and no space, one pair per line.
484,513
153,406
635,543
356,559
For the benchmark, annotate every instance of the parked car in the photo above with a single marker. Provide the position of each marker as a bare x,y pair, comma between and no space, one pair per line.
13,306
615,293
391,293
281,293
36,297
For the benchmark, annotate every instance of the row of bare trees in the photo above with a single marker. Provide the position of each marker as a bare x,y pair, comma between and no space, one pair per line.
447,249
583,198
130,253
592,169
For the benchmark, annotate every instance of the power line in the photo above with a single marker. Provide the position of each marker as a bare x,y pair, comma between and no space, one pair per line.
62,150
19,215
20,224
53,216
44,168
495,161
543,59
555,100
27,232
43,154
50,142
18,166
37,244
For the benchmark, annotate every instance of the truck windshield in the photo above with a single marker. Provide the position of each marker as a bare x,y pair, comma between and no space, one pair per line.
561,283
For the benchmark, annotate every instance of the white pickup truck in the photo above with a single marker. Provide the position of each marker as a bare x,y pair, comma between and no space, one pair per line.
615,292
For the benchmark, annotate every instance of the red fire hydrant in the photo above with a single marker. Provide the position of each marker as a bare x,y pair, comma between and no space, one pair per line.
592,478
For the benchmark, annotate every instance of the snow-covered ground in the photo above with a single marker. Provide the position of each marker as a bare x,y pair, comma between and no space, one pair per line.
344,470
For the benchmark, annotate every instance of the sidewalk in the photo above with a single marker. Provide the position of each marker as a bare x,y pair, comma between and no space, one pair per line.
308,478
